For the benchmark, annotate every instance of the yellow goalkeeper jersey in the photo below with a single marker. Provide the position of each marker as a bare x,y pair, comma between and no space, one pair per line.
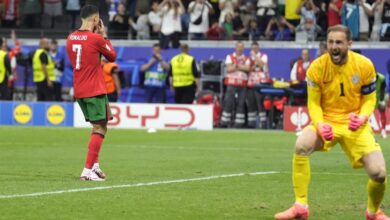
335,91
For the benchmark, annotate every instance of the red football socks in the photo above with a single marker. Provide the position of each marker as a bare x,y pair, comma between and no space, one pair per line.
383,119
95,143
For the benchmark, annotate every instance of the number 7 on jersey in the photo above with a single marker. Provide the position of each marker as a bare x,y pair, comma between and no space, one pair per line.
77,48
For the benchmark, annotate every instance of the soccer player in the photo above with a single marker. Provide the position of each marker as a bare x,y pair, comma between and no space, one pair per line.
381,102
84,47
341,97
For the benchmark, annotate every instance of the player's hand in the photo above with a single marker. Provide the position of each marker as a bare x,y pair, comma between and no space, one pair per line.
356,121
325,130
101,29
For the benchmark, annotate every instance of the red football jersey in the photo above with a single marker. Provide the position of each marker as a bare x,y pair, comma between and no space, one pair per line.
84,49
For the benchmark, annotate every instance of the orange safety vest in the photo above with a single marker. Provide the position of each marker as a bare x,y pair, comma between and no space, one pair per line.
237,78
110,82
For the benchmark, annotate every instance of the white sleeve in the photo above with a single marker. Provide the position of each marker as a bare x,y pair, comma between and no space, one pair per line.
248,61
228,60
293,74
264,58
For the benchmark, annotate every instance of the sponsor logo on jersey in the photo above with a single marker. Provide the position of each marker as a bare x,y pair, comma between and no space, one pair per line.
355,79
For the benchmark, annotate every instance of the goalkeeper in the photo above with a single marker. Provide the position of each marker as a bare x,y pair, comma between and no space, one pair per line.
341,97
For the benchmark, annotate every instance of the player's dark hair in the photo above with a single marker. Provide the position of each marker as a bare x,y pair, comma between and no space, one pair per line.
340,28
88,10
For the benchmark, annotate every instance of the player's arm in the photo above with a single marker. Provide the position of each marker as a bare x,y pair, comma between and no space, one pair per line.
103,43
314,94
368,103
382,91
368,95
105,48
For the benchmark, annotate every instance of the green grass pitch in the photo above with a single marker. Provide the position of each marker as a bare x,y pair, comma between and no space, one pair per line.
41,160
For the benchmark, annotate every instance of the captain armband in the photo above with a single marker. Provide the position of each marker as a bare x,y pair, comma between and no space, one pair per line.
367,89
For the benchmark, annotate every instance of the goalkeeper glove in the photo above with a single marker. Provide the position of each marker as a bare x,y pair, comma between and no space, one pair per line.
356,121
325,130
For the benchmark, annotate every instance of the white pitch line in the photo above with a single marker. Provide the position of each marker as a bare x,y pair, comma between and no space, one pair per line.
134,185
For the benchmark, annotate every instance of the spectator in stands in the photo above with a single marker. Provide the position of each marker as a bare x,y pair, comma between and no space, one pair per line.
154,18
308,24
236,78
322,18
43,71
217,11
58,58
298,72
376,11
215,32
334,11
322,48
31,11
171,23
199,11
131,7
259,73
253,30
226,7
141,26
111,77
10,17
365,11
279,29
266,9
184,76
73,9
156,72
248,11
120,24
53,8
384,7
350,17
239,30
290,12
5,71
113,8
228,26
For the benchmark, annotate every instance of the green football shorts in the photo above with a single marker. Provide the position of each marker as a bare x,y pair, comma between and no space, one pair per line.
96,108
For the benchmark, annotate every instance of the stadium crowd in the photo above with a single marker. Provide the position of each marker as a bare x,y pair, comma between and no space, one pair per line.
208,19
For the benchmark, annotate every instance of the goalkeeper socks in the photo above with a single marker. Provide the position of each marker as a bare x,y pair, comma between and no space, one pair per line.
376,192
94,146
301,178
